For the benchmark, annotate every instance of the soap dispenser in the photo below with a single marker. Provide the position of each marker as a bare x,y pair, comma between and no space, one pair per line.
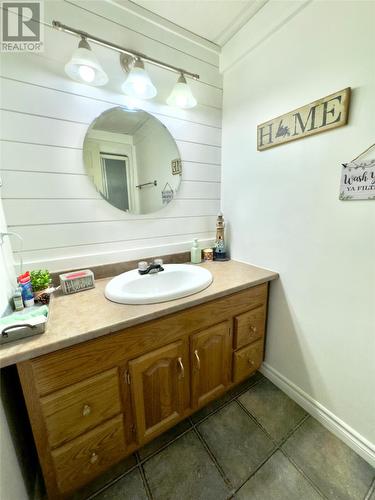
195,253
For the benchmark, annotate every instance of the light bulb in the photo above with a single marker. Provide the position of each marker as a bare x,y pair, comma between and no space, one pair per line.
86,73
181,95
181,101
140,87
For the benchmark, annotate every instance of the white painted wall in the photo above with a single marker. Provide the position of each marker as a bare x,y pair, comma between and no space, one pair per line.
48,198
283,209
12,485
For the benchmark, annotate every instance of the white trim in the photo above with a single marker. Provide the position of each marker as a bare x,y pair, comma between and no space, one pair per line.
334,424
237,23
268,20
249,11
165,24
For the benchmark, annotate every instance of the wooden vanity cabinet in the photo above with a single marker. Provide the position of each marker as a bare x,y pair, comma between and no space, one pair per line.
92,404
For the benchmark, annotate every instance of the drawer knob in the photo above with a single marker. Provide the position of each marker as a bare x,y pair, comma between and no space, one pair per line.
86,410
94,457
253,328
250,361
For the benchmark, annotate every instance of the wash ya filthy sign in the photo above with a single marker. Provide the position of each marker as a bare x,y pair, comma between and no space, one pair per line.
318,116
358,181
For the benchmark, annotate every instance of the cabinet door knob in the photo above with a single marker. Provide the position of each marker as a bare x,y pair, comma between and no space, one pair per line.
94,457
86,410
253,328
198,359
250,361
182,374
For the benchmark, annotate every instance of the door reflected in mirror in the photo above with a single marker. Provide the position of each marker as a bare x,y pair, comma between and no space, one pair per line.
132,160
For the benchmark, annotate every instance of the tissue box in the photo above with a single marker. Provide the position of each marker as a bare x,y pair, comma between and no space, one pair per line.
77,281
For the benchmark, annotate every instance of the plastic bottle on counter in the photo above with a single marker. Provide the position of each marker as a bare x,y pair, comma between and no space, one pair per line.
17,299
195,253
27,291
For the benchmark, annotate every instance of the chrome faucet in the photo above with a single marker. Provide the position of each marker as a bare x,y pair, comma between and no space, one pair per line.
155,267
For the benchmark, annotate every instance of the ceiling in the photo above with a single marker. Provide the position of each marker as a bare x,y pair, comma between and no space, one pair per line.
214,20
120,122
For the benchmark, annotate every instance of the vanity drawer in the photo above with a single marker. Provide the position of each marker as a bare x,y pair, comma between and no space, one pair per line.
80,407
88,455
247,360
249,326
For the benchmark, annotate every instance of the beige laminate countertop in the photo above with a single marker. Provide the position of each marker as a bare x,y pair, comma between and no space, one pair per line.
87,315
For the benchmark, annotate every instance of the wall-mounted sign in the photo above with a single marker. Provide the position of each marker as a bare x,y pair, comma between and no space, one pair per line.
318,116
358,181
167,194
176,166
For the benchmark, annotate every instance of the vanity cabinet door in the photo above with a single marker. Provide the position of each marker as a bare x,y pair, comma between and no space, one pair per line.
211,353
160,389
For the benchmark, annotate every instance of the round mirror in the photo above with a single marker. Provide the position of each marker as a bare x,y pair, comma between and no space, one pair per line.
133,160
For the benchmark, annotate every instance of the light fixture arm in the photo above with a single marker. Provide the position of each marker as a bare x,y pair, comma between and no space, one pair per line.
122,50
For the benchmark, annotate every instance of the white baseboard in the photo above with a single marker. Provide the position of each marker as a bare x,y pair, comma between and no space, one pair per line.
343,431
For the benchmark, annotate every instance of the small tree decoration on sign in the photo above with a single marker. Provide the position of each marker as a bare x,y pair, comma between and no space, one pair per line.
358,178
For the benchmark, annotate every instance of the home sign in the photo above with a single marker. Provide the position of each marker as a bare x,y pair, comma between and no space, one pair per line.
318,116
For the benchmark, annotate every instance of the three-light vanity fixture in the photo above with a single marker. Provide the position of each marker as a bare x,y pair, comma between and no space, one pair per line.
85,67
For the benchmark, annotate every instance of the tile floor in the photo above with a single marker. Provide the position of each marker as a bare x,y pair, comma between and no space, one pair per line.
253,443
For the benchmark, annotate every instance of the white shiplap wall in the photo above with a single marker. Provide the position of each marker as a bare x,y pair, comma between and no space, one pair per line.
47,196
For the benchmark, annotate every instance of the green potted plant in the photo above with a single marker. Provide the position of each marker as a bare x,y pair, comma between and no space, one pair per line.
40,281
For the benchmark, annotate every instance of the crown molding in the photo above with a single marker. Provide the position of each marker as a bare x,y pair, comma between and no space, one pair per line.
267,21
163,23
243,17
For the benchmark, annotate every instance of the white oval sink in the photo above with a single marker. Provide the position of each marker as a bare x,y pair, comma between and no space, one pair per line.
176,281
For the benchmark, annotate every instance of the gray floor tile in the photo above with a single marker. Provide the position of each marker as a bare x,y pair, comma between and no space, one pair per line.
337,470
246,384
232,393
129,487
105,478
184,471
210,408
164,439
273,409
238,444
278,479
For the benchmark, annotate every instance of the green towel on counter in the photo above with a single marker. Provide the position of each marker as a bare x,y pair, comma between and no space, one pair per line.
27,313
